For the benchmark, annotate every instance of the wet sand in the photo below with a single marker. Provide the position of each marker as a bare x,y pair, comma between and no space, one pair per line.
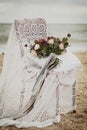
70,121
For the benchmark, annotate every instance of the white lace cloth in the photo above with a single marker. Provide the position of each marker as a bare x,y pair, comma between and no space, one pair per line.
17,80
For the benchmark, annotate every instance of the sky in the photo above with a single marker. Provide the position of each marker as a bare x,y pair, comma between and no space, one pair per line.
54,11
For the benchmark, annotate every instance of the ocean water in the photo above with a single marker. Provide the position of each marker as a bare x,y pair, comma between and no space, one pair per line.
78,40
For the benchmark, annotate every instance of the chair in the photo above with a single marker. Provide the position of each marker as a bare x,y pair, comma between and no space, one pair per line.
32,29
20,71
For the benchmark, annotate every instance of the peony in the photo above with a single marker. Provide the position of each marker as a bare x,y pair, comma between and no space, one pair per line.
51,41
37,46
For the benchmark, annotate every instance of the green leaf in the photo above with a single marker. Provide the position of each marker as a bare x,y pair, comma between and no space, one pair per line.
65,39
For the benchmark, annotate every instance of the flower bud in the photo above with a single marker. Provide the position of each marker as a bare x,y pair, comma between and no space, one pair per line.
68,35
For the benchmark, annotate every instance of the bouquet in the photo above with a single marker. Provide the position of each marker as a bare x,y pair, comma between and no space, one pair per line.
44,47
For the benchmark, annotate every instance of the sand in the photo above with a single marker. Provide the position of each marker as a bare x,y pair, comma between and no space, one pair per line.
70,121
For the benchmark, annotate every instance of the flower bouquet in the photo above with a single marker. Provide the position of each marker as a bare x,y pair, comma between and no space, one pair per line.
44,47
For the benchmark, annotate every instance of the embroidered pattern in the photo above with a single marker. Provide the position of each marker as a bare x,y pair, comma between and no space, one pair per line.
30,29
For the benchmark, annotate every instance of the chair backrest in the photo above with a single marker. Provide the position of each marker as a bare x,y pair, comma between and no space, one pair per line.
30,29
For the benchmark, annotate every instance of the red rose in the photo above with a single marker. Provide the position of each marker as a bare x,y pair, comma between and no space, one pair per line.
41,40
33,47
59,42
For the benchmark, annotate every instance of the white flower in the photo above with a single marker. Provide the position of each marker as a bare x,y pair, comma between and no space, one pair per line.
51,41
36,47
32,43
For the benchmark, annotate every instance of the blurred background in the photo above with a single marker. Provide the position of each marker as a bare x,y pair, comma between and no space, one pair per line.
62,17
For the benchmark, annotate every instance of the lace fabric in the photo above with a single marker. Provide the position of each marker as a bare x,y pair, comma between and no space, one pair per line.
30,29
20,71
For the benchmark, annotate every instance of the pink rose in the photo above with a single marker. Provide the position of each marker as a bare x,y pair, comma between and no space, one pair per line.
51,41
34,53
61,46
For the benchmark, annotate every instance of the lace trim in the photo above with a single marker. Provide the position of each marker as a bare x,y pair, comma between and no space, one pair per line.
30,29
23,124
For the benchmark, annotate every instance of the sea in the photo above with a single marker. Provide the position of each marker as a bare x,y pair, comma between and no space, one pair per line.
78,40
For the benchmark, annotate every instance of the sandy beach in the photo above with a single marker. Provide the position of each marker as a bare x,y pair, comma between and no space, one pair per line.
70,121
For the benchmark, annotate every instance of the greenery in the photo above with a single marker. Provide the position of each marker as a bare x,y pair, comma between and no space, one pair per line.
43,47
